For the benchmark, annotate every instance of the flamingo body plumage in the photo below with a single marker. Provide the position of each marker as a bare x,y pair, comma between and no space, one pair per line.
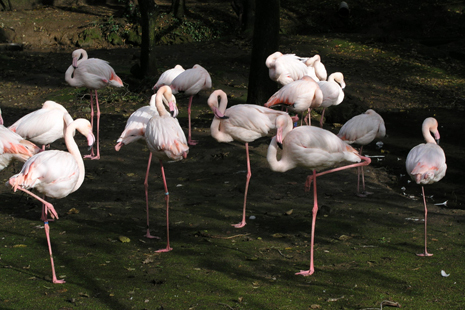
14,147
332,90
167,77
285,68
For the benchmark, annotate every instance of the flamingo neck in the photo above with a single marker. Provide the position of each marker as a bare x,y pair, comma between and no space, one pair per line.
281,165
74,150
218,109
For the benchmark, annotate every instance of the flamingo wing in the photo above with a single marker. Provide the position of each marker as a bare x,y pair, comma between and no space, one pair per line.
426,163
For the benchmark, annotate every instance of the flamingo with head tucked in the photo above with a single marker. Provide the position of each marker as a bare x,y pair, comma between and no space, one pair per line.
191,82
93,73
286,68
56,174
244,123
332,90
168,76
314,148
426,163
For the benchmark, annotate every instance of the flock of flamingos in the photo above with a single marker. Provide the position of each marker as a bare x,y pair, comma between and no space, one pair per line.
305,86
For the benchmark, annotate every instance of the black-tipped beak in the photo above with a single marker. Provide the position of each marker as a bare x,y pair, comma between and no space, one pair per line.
172,113
224,117
437,141
280,145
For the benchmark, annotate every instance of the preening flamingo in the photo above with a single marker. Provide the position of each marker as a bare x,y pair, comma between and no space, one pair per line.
362,130
314,148
191,82
14,147
56,174
315,65
300,96
426,163
286,68
43,126
333,93
94,74
135,130
244,123
166,141
168,76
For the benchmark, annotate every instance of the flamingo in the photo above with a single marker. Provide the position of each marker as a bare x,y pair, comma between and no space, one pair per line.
94,74
333,93
426,163
135,130
244,123
166,141
301,95
315,65
14,147
286,68
362,130
168,76
314,148
191,82
43,126
56,174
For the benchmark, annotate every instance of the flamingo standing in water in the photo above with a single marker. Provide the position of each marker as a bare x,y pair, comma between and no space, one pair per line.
333,93
43,126
135,130
56,174
94,74
314,148
244,123
191,82
426,163
286,68
168,76
14,147
362,130
301,95
166,141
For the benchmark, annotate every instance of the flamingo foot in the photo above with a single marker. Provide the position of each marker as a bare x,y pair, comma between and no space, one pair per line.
364,194
167,249
148,235
192,142
56,281
305,273
96,157
239,225
425,254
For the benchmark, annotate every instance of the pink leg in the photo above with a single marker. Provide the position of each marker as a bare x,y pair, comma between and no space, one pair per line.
249,175
92,156
315,211
167,198
146,185
190,141
321,119
47,234
361,171
46,207
426,218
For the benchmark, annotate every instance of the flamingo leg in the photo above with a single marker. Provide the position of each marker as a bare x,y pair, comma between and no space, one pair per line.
190,141
146,185
249,175
92,156
426,219
314,211
321,118
47,234
167,198
46,207
361,172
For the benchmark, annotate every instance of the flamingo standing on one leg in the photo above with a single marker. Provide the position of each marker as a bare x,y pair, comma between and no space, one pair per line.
166,141
426,163
314,148
191,82
135,130
14,147
301,95
362,130
55,174
43,126
244,123
168,76
333,93
94,74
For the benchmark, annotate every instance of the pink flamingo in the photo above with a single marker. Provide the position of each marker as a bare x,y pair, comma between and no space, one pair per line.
94,74
426,163
14,147
362,130
135,130
191,82
168,76
166,141
43,126
56,174
301,95
316,67
285,69
244,123
333,93
314,148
